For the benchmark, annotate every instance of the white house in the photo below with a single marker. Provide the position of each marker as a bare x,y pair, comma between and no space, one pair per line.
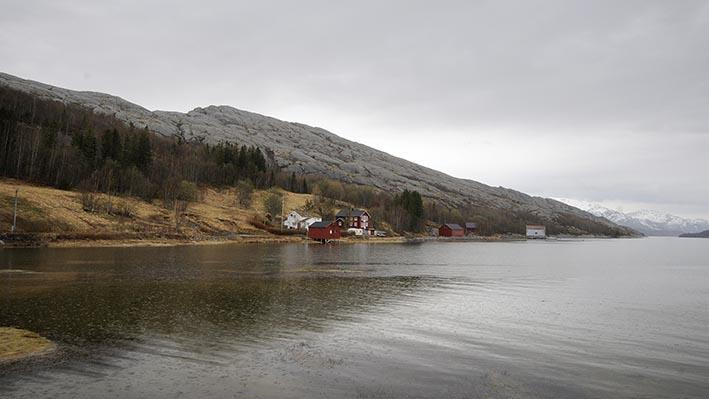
305,223
292,220
536,231
295,221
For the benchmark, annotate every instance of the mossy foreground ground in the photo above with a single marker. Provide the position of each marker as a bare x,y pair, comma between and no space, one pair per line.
17,344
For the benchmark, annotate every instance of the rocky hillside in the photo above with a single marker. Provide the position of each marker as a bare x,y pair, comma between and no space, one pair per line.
310,150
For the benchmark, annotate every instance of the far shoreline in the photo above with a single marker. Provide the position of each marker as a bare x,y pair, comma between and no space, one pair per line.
50,241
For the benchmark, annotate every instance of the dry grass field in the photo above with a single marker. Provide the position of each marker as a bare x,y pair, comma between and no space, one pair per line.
45,210
49,216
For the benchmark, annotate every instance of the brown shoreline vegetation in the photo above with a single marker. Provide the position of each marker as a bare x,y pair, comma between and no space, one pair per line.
17,344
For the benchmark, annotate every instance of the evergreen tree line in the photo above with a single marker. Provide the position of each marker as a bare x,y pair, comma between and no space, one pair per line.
68,146
404,211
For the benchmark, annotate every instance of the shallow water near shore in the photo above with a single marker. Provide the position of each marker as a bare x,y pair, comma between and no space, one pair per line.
587,318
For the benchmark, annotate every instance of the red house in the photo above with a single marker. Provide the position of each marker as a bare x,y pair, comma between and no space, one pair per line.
451,230
323,231
354,218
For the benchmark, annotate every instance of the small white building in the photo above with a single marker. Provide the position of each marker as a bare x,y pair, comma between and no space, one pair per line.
356,232
292,220
536,231
305,223
295,221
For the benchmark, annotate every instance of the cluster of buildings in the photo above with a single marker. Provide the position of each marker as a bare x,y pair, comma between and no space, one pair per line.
456,230
359,222
354,221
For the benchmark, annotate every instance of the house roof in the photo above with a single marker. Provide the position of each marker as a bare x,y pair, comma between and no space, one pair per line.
300,217
536,226
343,213
322,225
469,225
453,226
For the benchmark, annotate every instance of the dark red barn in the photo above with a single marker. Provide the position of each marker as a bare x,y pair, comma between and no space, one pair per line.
451,230
323,231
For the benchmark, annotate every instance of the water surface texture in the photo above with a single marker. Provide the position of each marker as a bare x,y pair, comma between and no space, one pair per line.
594,318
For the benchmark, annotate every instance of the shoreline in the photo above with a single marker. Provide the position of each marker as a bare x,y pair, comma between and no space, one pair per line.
39,240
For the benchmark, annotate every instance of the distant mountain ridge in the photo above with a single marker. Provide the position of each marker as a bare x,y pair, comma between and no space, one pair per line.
315,151
703,234
651,223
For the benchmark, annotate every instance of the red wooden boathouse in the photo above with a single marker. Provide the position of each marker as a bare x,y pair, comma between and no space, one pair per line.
324,231
451,230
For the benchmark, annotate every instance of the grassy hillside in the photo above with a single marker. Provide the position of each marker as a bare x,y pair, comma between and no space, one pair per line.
215,215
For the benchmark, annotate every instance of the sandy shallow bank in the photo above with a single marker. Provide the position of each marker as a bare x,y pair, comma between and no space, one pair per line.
17,344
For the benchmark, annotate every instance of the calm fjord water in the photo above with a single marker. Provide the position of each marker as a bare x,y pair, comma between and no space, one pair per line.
595,318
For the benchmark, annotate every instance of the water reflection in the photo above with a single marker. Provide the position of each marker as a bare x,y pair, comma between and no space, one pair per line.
614,318
208,300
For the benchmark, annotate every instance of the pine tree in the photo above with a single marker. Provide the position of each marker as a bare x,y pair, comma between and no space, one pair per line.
111,145
144,153
271,179
87,145
293,183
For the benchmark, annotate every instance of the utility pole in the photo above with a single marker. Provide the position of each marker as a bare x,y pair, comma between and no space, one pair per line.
177,218
14,213
283,209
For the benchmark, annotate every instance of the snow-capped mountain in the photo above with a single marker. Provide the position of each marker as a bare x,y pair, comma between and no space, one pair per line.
648,222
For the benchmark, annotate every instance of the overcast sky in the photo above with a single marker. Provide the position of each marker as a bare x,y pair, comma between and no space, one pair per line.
592,100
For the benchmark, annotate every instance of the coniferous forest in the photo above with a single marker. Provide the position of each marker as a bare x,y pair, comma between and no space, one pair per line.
70,147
